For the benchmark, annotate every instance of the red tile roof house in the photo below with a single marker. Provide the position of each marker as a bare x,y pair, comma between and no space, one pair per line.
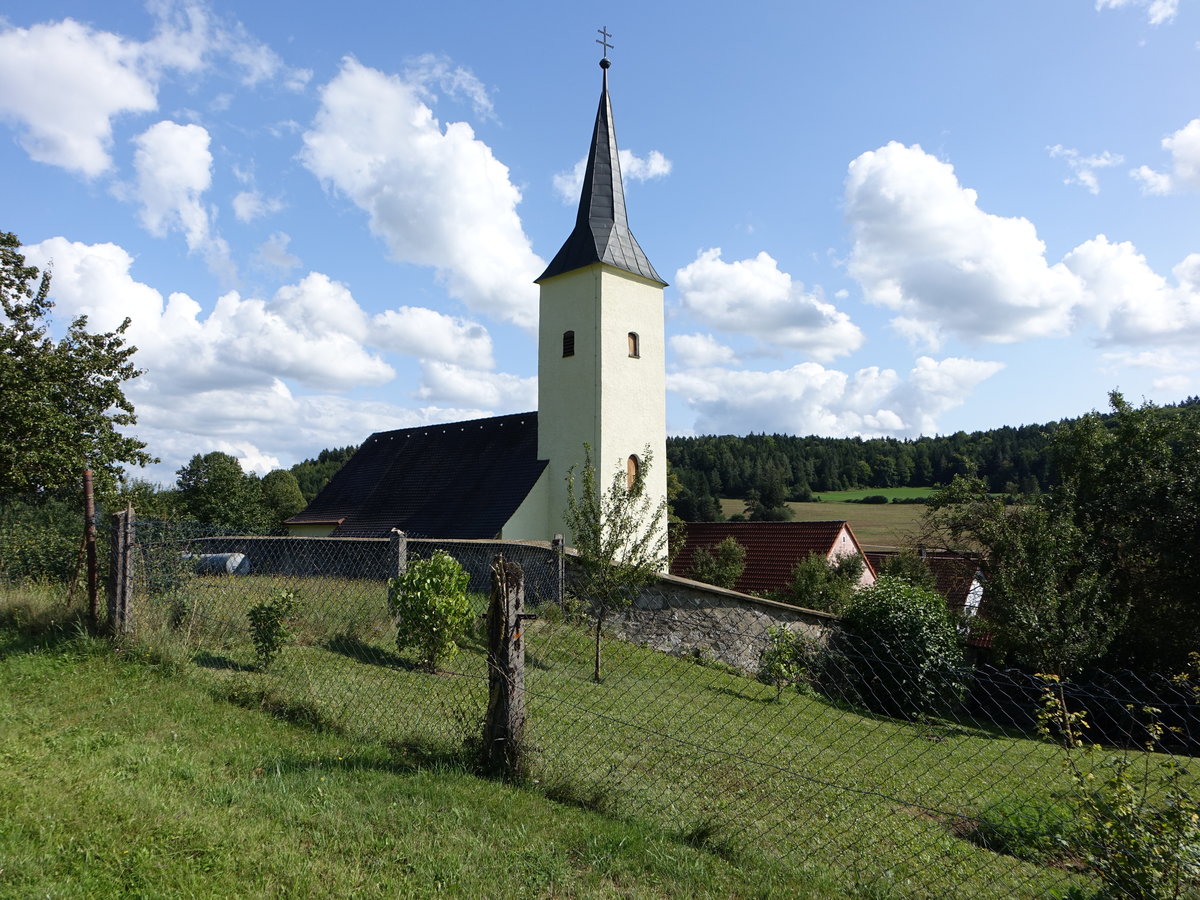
772,549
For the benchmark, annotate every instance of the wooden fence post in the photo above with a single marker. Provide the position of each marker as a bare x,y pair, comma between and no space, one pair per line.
120,583
558,545
89,543
504,727
399,551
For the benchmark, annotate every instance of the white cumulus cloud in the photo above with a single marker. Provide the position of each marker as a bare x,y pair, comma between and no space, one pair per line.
693,351
924,248
428,334
1184,148
63,83
174,169
811,399
444,382
633,168
753,297
437,196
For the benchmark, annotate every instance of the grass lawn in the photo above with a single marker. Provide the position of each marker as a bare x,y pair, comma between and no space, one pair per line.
122,777
874,524
692,767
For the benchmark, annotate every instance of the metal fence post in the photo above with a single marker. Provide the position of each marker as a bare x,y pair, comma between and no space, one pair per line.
120,583
399,554
504,727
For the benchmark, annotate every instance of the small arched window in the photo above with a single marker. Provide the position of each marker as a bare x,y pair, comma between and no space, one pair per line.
633,468
568,343
635,348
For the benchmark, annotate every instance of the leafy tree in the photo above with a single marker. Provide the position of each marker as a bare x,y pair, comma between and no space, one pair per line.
907,564
620,537
313,474
818,584
214,490
1050,607
720,565
62,407
1134,490
281,497
900,652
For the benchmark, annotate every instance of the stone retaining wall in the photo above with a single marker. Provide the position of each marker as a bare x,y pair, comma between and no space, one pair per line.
683,617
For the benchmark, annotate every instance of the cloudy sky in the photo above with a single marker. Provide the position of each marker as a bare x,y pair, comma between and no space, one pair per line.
877,218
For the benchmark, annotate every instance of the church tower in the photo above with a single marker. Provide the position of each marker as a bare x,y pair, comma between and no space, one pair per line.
601,350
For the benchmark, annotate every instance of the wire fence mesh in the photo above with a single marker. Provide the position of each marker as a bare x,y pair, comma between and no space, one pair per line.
844,759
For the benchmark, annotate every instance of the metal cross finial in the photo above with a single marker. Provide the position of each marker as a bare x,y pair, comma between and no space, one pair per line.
603,42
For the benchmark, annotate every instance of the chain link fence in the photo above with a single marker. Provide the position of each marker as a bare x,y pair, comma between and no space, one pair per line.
830,753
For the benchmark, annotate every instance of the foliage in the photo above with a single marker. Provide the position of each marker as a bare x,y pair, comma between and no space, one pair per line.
214,490
281,498
720,565
620,537
313,474
900,652
63,407
269,622
1138,824
909,565
789,659
1134,494
40,541
430,605
1048,604
818,584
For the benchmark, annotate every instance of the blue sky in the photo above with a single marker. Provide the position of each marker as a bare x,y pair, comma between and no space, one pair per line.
876,218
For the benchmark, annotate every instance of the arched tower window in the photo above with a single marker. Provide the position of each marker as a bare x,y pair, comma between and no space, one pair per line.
568,343
633,467
635,349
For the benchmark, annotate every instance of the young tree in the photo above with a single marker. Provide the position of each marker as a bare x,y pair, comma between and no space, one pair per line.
1133,482
720,565
620,536
62,406
1048,602
214,490
281,497
818,584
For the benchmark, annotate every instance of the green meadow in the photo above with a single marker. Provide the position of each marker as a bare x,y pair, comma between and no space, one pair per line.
174,767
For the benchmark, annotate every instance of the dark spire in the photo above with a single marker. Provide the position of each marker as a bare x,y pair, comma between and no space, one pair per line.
601,227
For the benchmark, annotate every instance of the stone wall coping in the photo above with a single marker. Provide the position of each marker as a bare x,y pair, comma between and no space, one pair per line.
739,597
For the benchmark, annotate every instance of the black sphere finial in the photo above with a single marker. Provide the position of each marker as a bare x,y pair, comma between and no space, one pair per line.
605,63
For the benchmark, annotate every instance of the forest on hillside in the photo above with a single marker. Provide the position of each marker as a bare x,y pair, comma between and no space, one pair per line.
780,467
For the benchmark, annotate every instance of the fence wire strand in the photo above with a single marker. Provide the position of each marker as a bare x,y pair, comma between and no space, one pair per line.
841,770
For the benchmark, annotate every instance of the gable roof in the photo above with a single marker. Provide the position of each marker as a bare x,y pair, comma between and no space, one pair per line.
772,548
953,573
456,480
601,233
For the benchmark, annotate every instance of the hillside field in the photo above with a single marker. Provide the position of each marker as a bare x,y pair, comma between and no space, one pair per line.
876,525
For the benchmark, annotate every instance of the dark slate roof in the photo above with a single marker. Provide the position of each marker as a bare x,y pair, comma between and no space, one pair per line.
602,232
772,548
457,480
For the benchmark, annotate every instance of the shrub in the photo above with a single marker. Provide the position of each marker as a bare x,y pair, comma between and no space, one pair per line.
815,584
900,653
720,565
269,625
430,605
788,659
874,498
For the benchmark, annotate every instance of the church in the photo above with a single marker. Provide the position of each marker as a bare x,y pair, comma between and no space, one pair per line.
601,382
